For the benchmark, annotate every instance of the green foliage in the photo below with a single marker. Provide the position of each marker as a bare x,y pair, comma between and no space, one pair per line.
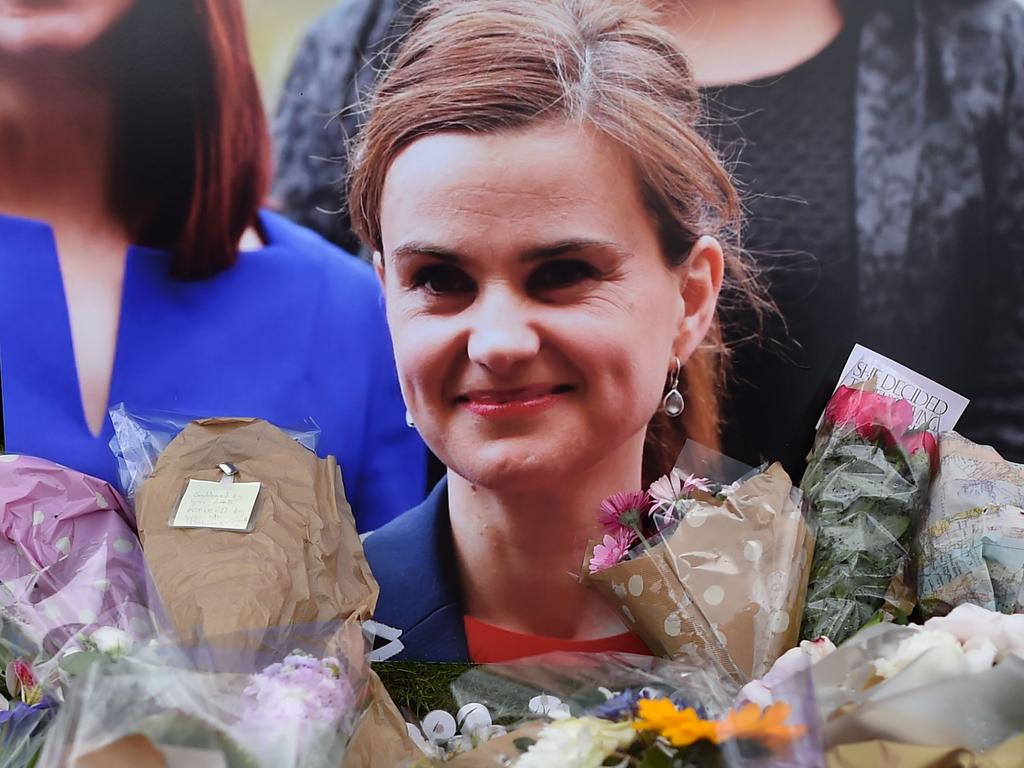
419,687
866,497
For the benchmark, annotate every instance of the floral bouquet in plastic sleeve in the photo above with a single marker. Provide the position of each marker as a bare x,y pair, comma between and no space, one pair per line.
916,695
72,587
291,698
867,479
615,709
706,571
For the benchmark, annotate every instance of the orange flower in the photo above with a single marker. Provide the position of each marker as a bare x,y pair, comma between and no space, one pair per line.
681,727
751,723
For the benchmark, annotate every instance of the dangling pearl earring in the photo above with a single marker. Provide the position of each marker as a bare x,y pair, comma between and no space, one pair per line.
673,403
408,420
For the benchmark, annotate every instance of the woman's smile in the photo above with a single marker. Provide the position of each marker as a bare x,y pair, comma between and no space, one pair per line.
513,403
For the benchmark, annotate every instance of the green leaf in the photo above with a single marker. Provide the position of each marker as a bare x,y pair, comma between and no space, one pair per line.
76,664
655,757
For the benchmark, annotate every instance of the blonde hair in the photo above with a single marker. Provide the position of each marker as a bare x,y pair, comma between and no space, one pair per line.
484,66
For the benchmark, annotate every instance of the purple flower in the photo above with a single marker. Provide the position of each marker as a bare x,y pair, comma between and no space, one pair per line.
301,689
20,721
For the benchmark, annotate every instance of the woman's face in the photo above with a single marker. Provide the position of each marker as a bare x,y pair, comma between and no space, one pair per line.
533,313
56,26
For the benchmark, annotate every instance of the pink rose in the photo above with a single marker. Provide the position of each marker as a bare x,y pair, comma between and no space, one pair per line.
870,414
915,442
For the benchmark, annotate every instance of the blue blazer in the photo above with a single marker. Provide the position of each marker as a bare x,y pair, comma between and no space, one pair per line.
413,559
295,329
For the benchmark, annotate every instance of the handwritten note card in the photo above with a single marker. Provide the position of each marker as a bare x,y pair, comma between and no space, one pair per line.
206,504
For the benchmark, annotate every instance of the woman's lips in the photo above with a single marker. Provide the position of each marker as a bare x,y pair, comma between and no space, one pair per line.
521,401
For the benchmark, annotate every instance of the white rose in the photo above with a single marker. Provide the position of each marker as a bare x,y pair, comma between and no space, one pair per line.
970,621
915,646
111,640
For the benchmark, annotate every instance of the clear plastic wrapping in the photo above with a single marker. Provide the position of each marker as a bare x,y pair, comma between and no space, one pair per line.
867,478
140,437
600,695
288,699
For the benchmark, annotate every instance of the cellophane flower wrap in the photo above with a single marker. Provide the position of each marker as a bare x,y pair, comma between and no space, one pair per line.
950,684
867,479
588,710
720,573
72,588
291,698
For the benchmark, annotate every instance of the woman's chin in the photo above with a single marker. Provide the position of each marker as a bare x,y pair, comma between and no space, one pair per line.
514,472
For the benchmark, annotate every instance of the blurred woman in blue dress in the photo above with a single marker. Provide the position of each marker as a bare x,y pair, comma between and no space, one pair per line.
136,265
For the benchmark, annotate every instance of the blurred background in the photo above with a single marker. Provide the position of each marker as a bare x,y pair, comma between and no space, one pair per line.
275,28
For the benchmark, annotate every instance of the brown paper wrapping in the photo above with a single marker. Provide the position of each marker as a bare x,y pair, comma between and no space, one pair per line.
133,751
302,562
871,754
732,574
381,739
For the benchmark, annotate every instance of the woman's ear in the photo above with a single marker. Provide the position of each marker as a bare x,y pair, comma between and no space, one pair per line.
702,282
378,267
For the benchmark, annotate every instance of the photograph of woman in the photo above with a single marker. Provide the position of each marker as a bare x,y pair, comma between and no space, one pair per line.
552,235
136,262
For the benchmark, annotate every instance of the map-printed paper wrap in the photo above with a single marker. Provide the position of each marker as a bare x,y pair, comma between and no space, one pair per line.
971,545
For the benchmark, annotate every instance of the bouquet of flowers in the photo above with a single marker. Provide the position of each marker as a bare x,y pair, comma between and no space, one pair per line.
167,704
584,711
970,547
950,685
707,572
867,478
70,579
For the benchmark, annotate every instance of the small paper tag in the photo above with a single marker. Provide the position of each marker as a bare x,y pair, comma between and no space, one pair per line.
935,407
209,504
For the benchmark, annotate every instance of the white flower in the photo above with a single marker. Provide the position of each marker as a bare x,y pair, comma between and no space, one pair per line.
584,742
788,664
111,640
970,621
915,646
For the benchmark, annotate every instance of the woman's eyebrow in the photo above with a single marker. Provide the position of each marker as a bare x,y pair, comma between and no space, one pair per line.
533,254
416,248
566,247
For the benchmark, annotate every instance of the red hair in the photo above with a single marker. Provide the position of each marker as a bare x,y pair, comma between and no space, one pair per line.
192,158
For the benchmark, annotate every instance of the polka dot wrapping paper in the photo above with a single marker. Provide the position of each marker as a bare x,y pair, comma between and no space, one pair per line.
727,585
70,560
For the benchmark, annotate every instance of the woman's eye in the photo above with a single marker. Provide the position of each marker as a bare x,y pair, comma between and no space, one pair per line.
443,279
560,274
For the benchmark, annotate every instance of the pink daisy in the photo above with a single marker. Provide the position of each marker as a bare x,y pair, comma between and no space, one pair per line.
611,551
624,511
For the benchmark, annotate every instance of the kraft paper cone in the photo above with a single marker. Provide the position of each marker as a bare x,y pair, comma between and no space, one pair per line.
302,562
731,577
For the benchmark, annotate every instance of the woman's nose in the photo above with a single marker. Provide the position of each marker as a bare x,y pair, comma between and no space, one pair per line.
502,332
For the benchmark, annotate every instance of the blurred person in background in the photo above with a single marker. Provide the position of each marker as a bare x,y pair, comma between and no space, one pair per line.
136,265
879,145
